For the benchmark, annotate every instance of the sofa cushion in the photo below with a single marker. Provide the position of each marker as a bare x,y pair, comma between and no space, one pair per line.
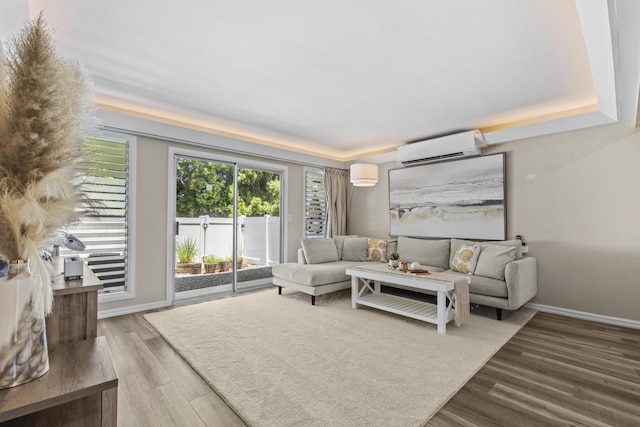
339,241
465,258
355,249
376,249
318,251
485,285
426,252
313,274
493,260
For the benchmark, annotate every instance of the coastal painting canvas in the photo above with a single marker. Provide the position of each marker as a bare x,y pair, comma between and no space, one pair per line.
461,198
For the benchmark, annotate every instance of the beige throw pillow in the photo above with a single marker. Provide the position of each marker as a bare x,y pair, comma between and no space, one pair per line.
515,243
339,241
493,260
434,253
355,249
465,259
319,251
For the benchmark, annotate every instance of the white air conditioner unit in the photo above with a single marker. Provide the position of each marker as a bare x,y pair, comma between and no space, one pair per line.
458,145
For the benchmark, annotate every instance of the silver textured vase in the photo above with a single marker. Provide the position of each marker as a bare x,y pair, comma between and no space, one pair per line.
23,339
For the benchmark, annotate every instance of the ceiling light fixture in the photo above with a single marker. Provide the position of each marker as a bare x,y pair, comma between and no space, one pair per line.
364,174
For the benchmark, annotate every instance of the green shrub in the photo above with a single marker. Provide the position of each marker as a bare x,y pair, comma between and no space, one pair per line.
186,250
211,259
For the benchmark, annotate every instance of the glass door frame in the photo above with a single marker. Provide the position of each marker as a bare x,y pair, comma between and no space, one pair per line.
238,162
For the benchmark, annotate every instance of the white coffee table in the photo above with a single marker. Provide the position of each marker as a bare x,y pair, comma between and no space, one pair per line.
438,313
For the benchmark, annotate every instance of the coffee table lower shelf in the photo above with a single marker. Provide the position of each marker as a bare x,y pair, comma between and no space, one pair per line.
418,310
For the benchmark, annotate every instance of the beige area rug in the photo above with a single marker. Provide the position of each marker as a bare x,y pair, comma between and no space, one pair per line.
279,361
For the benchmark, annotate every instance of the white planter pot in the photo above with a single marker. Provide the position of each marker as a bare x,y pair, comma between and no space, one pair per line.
23,339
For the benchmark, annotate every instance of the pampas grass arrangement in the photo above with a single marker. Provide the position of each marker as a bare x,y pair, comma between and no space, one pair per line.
46,114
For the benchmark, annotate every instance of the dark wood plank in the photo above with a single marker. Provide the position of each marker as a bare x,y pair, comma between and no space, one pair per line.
188,381
141,362
554,371
134,409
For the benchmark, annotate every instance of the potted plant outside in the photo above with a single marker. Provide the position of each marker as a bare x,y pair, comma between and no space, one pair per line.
186,251
393,259
239,261
210,263
224,264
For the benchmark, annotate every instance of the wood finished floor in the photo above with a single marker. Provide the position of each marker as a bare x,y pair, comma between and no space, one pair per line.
555,371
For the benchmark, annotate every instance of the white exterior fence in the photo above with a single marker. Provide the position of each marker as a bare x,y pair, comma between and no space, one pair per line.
258,237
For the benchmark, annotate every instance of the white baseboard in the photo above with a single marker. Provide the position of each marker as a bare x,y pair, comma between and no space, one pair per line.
583,315
103,314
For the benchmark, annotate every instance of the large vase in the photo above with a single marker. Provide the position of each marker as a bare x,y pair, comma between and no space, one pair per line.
23,339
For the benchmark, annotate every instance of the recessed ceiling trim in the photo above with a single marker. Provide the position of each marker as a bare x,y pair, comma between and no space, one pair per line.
540,119
596,29
565,124
109,103
141,126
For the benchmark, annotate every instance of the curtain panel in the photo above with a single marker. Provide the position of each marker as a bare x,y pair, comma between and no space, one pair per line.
336,183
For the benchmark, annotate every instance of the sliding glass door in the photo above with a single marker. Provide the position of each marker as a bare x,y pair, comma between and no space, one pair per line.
259,225
227,225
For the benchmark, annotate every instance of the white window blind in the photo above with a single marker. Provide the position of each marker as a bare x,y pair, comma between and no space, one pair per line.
105,232
315,220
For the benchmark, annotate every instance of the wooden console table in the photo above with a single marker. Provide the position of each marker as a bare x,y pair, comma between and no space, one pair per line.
79,389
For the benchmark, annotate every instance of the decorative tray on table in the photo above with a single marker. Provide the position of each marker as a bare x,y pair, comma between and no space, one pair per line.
419,271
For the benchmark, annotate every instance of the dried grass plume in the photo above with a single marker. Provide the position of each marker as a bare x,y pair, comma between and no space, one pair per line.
46,114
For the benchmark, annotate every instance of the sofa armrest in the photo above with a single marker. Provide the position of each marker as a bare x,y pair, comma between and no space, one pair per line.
521,277
301,258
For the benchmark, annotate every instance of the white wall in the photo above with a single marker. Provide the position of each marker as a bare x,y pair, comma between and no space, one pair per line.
575,198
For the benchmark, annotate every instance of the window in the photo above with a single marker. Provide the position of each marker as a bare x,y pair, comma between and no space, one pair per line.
106,232
315,199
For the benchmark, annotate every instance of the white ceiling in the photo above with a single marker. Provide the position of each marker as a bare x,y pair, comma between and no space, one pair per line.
344,79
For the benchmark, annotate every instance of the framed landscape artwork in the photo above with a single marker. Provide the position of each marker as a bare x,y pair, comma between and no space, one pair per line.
460,198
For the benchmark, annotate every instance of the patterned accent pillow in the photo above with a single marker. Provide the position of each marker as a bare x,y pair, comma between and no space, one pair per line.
465,259
377,250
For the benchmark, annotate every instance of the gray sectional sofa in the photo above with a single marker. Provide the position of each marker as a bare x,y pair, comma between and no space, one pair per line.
503,278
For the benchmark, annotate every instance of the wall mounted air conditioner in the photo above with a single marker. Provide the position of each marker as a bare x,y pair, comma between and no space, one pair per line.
458,145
